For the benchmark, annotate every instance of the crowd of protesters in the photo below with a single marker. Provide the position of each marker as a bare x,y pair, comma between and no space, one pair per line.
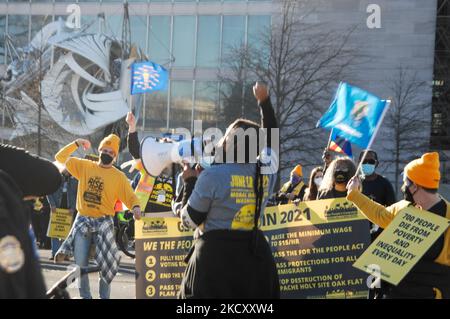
221,263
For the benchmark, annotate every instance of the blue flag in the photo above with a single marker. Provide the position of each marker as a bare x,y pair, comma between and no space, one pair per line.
340,145
148,77
353,115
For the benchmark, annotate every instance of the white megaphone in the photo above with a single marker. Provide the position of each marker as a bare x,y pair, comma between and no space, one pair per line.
157,155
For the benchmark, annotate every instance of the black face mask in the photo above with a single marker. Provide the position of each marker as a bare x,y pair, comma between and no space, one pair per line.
407,195
106,159
341,177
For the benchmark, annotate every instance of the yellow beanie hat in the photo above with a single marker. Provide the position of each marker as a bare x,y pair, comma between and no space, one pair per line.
297,170
112,141
424,171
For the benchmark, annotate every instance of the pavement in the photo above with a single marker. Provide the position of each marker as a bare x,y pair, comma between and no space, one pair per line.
122,287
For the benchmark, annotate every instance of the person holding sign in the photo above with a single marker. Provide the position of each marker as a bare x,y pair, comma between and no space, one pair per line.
336,178
100,185
231,258
430,277
64,198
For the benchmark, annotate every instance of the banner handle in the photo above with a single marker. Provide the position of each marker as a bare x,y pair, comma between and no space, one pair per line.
329,138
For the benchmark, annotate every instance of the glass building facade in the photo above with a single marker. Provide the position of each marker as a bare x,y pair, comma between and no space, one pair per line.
190,38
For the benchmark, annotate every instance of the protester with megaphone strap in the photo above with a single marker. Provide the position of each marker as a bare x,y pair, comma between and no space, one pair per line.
231,258
430,277
100,185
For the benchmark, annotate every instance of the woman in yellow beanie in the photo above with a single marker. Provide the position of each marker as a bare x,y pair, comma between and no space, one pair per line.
294,189
100,185
430,277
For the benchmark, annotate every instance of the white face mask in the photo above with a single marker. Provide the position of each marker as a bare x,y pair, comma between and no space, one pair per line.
318,181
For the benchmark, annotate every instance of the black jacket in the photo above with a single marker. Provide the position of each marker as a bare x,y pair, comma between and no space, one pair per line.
32,174
26,280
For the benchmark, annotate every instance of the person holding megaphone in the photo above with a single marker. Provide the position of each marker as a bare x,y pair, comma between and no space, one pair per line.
231,258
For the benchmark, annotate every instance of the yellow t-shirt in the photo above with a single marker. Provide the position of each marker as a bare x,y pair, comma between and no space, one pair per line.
98,188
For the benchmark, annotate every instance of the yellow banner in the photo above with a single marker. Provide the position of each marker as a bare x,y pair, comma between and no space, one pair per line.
60,224
144,189
160,227
310,213
401,245
276,217
314,244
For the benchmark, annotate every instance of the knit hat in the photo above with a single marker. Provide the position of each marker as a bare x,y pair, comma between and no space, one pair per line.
297,170
424,171
112,141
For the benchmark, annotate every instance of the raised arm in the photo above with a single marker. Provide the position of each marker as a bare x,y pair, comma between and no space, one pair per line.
261,93
376,213
132,139
73,165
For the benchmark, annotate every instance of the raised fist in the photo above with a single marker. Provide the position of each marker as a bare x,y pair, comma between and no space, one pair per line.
84,143
260,91
131,121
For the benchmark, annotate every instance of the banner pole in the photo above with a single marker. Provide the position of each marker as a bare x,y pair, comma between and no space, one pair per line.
388,103
131,103
329,139
325,165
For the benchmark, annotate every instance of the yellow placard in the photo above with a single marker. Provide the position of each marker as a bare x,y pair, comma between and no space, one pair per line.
144,189
310,213
401,245
60,223
160,227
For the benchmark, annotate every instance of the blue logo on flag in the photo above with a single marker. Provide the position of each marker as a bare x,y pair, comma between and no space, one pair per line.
148,77
354,114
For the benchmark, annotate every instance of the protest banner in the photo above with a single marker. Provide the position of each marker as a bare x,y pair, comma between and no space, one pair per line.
401,245
60,223
144,189
162,243
315,245
155,194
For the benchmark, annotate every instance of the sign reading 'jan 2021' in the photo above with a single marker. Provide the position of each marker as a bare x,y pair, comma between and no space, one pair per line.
401,245
314,245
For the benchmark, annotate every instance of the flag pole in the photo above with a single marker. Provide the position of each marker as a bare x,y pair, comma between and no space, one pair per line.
388,103
329,139
325,165
130,104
